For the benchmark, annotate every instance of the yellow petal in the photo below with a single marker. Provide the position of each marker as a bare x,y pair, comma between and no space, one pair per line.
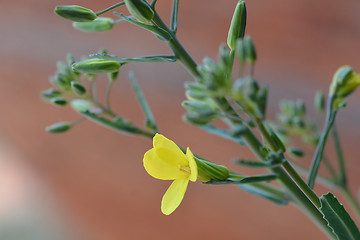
192,165
174,195
160,169
168,151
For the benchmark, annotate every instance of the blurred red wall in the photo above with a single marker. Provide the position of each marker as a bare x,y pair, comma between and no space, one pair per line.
97,176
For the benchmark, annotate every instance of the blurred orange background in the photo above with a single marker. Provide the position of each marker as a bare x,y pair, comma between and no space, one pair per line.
89,183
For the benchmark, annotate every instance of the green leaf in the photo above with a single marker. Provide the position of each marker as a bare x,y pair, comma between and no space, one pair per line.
254,163
222,133
338,219
150,120
174,16
157,31
245,180
158,58
120,125
275,198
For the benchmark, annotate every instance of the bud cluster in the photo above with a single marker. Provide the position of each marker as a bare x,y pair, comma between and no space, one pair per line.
70,86
295,122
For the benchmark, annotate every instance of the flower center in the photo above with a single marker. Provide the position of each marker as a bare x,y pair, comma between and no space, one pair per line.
185,169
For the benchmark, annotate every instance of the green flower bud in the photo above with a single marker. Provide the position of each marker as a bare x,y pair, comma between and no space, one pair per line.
345,81
98,25
75,13
198,119
247,88
237,26
240,51
210,171
140,9
70,59
296,152
300,107
200,107
250,50
50,93
81,105
59,101
59,127
96,66
61,81
298,122
78,88
195,90
319,101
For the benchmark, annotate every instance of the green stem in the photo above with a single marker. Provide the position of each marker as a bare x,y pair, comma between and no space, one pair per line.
107,95
340,156
183,57
254,144
302,200
300,182
329,183
321,145
110,8
330,168
287,166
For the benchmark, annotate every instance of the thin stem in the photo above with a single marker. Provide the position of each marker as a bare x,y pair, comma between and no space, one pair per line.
252,69
320,179
110,8
78,121
321,145
265,134
329,167
153,3
93,91
183,57
107,95
340,156
300,182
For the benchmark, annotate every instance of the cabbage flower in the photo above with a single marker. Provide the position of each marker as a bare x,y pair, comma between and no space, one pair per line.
166,161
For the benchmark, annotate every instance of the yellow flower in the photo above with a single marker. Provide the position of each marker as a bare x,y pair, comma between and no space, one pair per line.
166,161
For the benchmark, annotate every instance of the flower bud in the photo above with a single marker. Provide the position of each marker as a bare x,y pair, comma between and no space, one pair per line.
50,93
240,51
98,25
59,101
75,13
250,50
300,107
296,152
195,90
96,66
59,127
78,88
345,81
140,9
198,106
319,101
198,119
81,105
237,26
